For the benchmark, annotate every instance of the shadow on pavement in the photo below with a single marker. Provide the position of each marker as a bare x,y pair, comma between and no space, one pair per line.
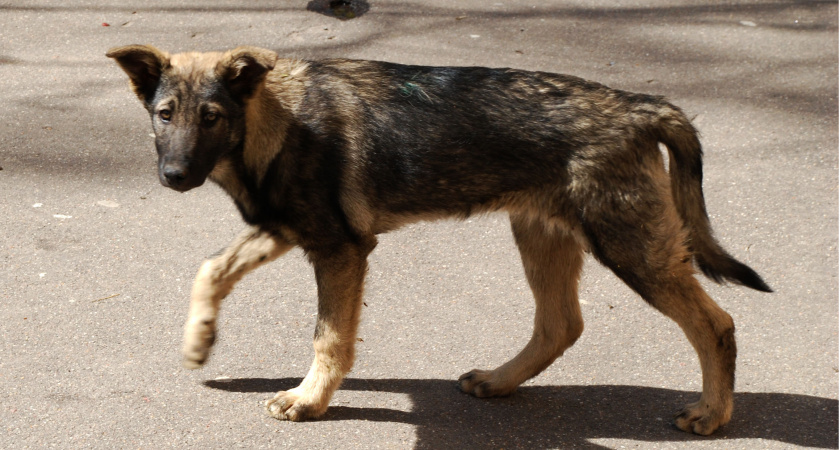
682,13
549,416
340,9
627,33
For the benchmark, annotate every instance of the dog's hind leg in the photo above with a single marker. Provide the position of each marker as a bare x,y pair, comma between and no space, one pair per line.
644,243
340,273
217,276
553,259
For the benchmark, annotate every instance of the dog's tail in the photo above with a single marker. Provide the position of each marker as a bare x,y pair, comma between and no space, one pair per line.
686,170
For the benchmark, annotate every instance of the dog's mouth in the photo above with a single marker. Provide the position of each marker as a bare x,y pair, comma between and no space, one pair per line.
182,187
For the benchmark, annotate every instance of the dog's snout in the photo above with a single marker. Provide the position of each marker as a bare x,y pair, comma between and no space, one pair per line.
174,174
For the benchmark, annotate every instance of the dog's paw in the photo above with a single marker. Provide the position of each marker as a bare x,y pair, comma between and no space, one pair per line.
699,418
483,383
291,405
199,337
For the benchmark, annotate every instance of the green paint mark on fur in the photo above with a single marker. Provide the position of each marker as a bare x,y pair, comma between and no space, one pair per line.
409,89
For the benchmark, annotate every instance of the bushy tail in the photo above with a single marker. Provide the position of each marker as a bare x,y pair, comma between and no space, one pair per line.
686,170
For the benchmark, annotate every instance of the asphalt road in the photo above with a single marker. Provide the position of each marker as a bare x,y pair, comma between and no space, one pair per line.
96,258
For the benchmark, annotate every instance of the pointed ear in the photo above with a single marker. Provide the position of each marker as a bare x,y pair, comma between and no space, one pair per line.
244,69
144,65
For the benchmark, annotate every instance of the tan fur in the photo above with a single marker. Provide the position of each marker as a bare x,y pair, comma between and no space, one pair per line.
553,259
216,278
340,279
264,140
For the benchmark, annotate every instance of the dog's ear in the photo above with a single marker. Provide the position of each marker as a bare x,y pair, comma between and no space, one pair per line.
243,69
144,65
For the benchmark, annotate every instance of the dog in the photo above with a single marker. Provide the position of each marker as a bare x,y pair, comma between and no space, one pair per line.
325,155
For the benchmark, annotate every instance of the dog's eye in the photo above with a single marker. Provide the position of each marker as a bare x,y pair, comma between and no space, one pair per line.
165,115
210,117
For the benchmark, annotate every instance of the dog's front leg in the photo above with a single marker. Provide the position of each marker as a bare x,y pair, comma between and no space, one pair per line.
340,276
217,276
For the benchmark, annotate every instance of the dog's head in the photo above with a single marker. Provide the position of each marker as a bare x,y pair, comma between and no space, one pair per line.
196,102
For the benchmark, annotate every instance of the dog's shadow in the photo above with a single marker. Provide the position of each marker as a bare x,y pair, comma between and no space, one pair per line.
546,416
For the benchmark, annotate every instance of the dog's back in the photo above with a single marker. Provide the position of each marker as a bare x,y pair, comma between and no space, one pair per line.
459,140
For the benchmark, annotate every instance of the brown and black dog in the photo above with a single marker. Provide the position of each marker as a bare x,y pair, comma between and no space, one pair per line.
327,154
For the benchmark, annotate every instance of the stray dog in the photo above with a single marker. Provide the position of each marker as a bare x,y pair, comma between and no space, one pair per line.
325,155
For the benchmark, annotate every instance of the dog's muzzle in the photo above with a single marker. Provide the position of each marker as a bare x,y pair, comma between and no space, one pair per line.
178,176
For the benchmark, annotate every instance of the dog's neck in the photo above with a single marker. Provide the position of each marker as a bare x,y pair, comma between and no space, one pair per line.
269,113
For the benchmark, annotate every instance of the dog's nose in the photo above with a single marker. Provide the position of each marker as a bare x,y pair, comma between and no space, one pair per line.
174,174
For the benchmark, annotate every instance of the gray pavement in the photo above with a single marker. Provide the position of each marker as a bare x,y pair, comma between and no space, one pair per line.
96,258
